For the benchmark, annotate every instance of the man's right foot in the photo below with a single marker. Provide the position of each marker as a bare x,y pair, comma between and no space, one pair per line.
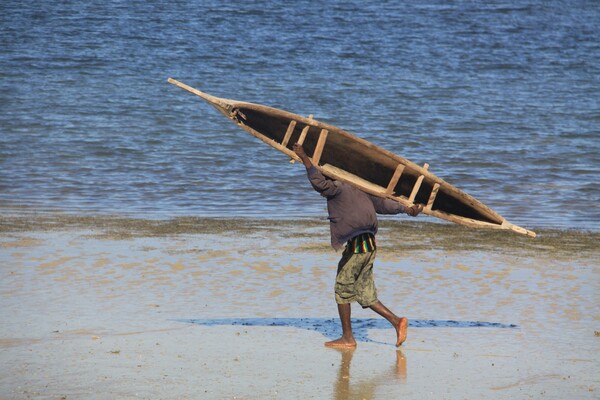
342,343
402,331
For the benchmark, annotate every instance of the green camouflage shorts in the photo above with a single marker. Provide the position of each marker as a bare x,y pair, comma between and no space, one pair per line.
354,280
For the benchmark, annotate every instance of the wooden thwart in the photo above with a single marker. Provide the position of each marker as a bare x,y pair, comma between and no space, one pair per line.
320,144
395,179
432,196
303,134
304,131
417,185
288,133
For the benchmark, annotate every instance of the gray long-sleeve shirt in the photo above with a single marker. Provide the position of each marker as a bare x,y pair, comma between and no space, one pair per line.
351,211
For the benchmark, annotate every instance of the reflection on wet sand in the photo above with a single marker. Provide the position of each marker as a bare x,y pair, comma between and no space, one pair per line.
366,389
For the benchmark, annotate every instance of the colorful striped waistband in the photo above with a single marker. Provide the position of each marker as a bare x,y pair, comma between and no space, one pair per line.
363,243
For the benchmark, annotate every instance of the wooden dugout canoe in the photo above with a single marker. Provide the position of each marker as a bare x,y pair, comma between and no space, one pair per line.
345,157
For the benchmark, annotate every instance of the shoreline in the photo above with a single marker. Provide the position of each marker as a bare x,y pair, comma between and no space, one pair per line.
399,232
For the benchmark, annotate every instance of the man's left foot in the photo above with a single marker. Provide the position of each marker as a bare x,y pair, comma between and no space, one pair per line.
341,343
401,331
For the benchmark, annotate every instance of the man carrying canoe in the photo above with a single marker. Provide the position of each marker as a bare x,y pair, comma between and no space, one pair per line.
353,223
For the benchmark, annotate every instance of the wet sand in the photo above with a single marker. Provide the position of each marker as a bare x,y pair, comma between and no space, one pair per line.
107,307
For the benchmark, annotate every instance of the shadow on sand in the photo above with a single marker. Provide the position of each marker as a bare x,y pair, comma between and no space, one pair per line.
330,327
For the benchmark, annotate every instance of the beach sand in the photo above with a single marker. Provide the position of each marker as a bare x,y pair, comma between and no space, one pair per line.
191,308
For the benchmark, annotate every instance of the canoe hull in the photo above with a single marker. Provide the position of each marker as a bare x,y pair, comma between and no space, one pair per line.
340,155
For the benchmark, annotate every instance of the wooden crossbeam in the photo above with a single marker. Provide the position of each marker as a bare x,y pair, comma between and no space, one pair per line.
395,179
304,131
288,133
432,196
303,134
301,139
319,148
417,185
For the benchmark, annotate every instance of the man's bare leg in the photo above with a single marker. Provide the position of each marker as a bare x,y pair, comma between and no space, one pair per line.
347,339
400,324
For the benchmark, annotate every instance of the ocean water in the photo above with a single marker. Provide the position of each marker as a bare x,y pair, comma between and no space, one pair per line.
501,98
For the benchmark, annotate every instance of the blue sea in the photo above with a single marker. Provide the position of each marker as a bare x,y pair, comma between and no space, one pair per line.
501,98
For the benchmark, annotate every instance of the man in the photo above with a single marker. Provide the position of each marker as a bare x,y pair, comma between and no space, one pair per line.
353,222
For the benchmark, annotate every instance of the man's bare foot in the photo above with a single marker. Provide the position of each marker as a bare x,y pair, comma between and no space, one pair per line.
342,343
402,331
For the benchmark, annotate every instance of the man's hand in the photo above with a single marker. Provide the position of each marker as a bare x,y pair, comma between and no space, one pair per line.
299,150
414,210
